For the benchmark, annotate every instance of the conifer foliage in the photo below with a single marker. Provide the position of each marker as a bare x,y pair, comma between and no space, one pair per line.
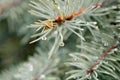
76,39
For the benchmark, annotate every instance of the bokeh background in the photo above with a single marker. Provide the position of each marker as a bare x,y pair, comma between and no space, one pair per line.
14,39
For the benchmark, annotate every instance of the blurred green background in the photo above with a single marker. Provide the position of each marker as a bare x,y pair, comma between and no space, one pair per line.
11,50
14,36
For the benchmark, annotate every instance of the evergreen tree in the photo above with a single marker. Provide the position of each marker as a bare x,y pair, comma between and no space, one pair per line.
67,39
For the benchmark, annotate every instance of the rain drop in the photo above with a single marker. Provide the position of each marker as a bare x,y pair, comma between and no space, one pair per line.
59,7
116,49
55,32
44,38
105,44
94,23
62,44
42,76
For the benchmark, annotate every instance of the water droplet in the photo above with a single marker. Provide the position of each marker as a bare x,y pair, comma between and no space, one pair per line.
44,38
55,32
105,44
59,7
116,49
62,44
93,23
42,76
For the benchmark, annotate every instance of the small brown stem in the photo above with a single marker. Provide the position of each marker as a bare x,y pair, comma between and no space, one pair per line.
104,55
61,19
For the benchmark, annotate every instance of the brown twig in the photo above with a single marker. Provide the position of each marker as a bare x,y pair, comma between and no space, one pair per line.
8,5
103,56
61,19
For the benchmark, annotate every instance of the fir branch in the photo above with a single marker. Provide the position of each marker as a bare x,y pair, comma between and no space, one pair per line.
60,23
103,56
89,67
59,20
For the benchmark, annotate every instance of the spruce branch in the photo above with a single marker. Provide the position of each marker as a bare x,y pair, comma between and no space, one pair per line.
53,19
91,61
103,56
59,19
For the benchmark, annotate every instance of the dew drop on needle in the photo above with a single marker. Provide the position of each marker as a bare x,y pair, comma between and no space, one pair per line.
44,38
62,44
105,44
42,76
